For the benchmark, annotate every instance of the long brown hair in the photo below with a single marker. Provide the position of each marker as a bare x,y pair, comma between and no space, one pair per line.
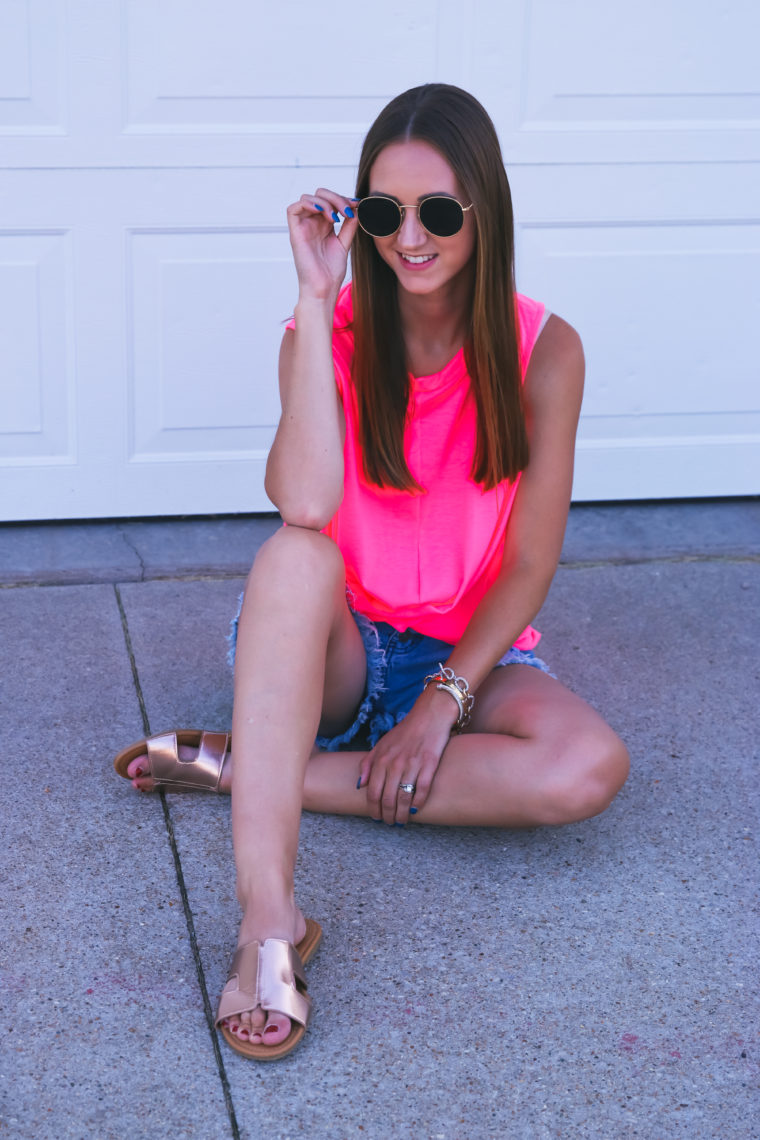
456,124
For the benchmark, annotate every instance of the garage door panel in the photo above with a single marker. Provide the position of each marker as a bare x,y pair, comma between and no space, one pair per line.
206,312
601,82
655,342
31,63
38,393
255,67
656,68
668,315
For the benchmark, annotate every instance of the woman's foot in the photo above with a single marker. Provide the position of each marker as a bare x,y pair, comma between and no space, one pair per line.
138,771
257,1026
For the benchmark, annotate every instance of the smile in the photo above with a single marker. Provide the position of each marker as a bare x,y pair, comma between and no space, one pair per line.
419,260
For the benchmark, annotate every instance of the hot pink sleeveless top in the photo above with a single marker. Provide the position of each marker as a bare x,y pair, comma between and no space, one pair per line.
424,561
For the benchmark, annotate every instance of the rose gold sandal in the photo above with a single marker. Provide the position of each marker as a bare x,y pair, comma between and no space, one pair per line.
203,773
269,974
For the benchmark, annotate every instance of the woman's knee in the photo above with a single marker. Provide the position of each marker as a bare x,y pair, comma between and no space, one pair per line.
295,557
586,777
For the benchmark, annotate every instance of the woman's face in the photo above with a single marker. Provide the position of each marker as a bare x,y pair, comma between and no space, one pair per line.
423,263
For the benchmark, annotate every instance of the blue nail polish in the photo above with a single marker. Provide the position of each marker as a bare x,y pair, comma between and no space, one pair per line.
397,824
318,207
413,811
335,216
349,212
358,783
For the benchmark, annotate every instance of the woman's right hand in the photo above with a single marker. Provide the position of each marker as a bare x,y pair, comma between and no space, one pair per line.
321,253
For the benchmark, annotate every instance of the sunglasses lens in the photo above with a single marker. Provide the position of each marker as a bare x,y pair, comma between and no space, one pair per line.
380,217
441,216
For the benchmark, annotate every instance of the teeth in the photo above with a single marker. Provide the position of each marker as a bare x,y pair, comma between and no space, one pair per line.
420,259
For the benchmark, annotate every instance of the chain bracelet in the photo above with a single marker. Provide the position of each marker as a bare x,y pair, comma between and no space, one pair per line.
457,688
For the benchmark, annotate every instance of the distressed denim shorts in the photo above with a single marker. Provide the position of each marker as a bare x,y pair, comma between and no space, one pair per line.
397,664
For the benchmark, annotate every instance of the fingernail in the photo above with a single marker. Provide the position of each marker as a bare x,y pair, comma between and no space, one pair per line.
335,216
397,824
318,207
349,212
358,783
356,199
413,811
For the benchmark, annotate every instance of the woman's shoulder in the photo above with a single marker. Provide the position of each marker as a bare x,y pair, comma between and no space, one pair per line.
557,367
538,324
559,339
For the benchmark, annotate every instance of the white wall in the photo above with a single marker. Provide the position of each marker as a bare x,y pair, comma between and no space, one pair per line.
148,149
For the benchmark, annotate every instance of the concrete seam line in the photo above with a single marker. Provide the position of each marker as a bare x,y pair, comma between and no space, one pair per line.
189,921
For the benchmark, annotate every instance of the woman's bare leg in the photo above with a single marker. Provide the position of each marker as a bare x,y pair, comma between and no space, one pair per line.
298,651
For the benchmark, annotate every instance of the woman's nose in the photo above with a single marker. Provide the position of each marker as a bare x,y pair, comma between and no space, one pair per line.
411,235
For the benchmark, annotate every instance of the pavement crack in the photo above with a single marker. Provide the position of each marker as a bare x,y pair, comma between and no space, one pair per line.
129,541
132,661
187,910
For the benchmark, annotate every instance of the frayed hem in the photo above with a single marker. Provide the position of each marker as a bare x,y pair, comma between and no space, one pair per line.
232,635
525,657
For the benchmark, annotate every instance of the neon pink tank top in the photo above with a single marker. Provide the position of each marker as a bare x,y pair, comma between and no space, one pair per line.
424,561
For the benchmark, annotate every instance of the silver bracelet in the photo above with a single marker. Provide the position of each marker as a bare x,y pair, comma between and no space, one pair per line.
458,688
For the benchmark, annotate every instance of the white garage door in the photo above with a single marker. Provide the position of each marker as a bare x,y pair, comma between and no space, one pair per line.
148,149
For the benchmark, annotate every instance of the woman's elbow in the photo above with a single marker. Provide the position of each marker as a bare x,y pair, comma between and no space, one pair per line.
311,513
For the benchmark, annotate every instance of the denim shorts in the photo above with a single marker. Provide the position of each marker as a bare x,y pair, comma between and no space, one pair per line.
397,664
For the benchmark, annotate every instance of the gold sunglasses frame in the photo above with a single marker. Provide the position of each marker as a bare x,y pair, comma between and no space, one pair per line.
417,206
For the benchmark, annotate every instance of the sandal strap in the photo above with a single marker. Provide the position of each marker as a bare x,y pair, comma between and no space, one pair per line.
269,975
203,771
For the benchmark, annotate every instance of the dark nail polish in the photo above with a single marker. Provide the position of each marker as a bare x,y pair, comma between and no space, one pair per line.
318,207
335,216
397,824
358,783
349,212
413,811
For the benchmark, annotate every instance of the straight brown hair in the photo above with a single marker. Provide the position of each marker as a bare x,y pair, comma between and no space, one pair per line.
455,123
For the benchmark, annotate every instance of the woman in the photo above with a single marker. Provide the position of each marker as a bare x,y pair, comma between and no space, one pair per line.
423,466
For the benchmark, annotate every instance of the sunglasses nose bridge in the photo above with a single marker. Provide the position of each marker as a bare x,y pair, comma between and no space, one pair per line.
411,232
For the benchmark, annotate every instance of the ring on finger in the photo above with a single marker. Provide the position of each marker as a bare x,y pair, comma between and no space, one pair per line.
410,789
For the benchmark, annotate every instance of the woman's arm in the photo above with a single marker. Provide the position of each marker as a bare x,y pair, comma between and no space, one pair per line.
304,477
533,543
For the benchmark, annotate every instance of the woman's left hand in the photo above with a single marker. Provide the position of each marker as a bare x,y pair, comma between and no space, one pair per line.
409,754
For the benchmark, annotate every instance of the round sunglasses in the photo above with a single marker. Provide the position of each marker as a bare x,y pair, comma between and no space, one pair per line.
380,216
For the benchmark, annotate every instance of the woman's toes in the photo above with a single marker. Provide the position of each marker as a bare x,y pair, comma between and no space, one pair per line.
139,773
258,1029
138,767
277,1029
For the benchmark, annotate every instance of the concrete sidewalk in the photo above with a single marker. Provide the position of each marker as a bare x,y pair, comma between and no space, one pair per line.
599,980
